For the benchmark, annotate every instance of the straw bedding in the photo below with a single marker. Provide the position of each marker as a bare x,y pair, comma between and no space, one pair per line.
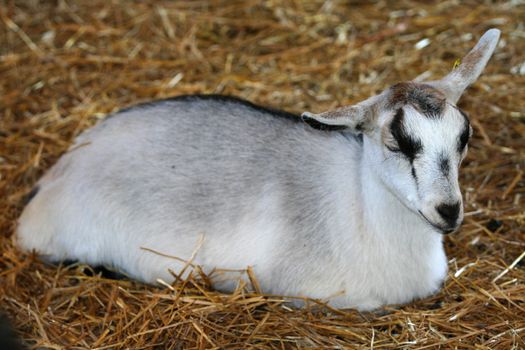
64,65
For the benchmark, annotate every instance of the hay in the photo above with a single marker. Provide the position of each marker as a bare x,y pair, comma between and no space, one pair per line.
65,65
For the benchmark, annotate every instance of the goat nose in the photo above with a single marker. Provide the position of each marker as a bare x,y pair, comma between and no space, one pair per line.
449,212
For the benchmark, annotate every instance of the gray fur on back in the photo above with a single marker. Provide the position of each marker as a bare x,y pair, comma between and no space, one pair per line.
216,155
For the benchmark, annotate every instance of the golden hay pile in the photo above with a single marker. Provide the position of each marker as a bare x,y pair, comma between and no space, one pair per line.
65,64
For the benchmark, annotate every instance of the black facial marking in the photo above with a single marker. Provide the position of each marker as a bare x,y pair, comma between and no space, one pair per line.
407,145
465,133
414,175
444,165
28,197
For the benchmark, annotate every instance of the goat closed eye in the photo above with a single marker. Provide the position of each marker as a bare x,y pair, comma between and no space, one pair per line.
393,149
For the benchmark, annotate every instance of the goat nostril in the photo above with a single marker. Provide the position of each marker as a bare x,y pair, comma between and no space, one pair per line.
449,212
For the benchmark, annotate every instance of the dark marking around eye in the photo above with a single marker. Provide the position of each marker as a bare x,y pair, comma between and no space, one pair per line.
409,146
444,165
465,133
463,140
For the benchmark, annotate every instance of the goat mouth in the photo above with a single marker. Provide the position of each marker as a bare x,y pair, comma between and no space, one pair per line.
441,229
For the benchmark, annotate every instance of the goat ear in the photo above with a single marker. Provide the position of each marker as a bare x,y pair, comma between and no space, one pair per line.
357,118
470,68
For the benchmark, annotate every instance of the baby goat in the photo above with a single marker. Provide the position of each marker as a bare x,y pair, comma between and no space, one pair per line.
352,213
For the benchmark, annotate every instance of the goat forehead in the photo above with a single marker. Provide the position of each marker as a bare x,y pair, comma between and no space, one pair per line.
436,134
429,101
